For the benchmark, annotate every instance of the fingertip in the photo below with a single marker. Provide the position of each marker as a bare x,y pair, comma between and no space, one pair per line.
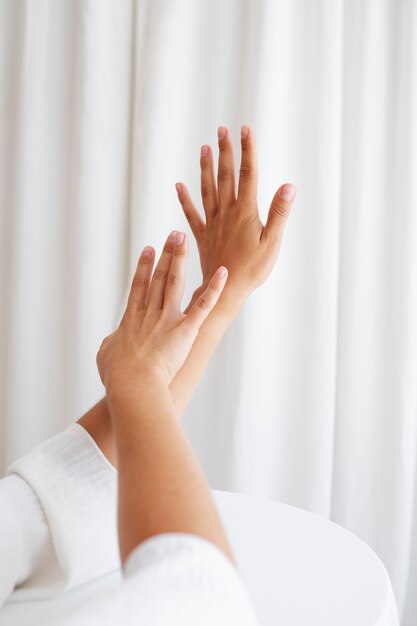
146,254
178,187
247,137
180,239
221,132
287,192
221,272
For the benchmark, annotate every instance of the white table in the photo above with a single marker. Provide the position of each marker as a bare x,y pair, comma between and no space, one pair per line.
301,570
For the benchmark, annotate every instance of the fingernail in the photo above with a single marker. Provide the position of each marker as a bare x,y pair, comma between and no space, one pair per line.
221,132
204,151
179,238
287,192
244,131
222,271
178,187
147,251
172,236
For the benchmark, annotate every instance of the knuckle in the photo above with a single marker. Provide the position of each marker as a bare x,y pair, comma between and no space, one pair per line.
140,281
280,209
106,340
160,275
168,247
245,171
223,174
203,303
172,279
205,190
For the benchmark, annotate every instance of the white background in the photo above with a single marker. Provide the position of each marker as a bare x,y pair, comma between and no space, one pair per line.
311,398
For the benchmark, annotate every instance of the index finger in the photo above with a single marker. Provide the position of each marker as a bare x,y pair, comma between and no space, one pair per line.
248,173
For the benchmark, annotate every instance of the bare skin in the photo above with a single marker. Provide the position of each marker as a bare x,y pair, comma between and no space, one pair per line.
162,488
231,234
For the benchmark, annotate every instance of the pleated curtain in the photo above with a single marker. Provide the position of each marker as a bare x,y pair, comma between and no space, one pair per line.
311,397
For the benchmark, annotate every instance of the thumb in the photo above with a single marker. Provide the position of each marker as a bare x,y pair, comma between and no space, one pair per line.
279,210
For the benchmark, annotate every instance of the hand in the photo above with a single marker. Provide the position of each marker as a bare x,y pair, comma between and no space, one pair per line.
233,234
153,334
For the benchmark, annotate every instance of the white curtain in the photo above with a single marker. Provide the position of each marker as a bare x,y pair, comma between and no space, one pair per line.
311,398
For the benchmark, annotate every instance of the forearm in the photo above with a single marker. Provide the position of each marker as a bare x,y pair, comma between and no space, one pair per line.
162,488
187,378
97,423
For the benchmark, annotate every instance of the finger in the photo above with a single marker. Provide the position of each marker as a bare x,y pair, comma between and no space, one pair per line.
140,283
226,172
160,275
279,211
205,303
174,288
193,217
248,173
208,182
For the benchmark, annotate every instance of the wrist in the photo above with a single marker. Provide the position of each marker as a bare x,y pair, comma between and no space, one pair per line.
121,384
231,299
135,403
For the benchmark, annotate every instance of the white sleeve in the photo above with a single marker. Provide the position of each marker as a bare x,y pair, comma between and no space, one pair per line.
183,579
64,494
171,579
24,535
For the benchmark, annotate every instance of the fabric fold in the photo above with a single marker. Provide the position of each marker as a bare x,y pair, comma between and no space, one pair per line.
178,579
76,487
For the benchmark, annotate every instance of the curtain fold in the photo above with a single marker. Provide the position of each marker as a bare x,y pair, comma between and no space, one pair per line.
311,398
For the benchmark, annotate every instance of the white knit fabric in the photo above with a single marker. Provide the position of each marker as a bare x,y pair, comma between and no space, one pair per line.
58,530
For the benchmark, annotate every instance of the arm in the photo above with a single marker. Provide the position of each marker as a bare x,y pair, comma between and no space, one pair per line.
162,488
232,234
161,485
97,421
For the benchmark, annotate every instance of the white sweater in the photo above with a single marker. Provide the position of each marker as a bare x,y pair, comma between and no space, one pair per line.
58,511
